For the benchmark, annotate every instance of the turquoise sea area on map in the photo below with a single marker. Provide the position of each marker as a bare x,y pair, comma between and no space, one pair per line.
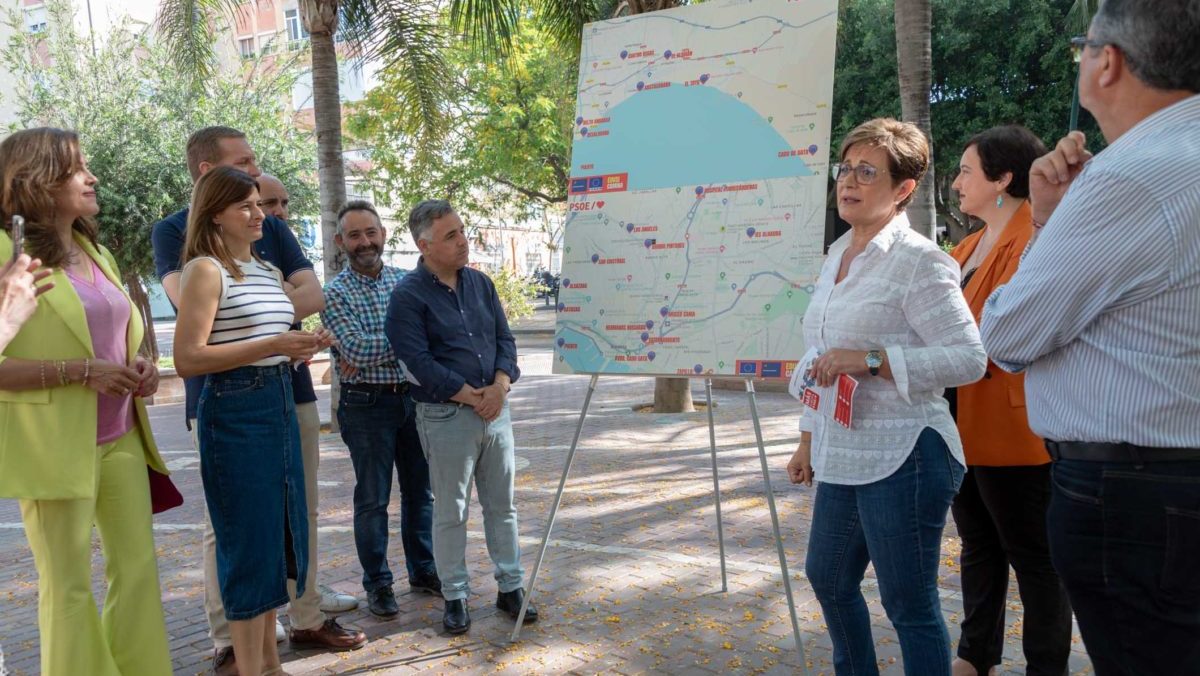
680,135
587,358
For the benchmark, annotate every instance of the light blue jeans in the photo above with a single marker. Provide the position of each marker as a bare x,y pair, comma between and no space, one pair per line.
460,446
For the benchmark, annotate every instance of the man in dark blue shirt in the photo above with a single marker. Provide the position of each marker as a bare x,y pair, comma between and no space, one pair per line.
224,146
449,332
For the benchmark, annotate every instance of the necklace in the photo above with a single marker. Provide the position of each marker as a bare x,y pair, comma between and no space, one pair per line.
76,263
982,249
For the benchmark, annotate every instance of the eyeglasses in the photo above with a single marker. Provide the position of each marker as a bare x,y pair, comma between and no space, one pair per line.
864,174
1079,42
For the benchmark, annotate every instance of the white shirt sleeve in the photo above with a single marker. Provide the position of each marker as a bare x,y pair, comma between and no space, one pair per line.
936,310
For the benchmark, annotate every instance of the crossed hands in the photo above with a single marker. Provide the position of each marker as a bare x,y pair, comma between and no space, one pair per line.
487,401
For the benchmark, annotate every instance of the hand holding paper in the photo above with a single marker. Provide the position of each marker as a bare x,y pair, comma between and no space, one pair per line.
835,401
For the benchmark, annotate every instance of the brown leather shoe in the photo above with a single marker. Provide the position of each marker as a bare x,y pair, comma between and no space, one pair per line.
329,636
224,663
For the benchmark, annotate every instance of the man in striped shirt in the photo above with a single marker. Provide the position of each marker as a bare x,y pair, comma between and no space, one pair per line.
376,414
1104,317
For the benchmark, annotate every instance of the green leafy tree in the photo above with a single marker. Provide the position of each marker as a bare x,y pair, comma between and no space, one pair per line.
996,62
506,154
134,116
516,293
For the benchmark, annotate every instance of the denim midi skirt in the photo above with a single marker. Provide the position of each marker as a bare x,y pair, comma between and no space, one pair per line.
253,475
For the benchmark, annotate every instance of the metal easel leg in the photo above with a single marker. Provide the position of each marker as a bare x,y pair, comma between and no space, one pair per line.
587,401
783,568
712,440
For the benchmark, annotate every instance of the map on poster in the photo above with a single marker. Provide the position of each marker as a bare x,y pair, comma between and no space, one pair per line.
696,214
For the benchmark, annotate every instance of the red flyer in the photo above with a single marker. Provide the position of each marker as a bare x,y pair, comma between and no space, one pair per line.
843,410
812,399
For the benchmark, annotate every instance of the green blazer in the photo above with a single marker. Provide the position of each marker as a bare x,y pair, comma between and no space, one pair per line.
48,436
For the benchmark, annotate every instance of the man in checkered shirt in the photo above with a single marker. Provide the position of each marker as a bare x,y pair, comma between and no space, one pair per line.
376,413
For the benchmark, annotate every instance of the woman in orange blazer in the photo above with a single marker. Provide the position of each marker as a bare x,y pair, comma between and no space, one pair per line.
1000,509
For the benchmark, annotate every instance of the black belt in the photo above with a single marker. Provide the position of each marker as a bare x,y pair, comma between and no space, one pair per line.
394,388
1102,452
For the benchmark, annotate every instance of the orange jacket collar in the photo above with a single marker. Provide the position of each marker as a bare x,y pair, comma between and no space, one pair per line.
1011,243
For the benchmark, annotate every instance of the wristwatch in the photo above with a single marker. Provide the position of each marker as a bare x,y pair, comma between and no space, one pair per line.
874,361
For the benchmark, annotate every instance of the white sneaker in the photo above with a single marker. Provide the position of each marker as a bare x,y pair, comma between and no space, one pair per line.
335,602
280,634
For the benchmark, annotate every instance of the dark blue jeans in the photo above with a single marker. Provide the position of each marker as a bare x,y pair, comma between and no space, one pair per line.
1126,543
895,523
253,473
379,427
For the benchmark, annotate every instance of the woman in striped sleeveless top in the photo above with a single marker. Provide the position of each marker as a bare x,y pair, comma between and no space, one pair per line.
233,325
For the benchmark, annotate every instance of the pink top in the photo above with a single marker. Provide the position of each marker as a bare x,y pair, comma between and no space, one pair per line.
108,314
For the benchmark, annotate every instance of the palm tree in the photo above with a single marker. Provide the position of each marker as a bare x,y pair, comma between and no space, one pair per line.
409,36
1079,16
914,19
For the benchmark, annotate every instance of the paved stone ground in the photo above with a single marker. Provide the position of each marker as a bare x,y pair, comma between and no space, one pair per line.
631,583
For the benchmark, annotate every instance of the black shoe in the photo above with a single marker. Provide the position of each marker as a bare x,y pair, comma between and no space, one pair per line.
382,602
428,583
510,602
456,620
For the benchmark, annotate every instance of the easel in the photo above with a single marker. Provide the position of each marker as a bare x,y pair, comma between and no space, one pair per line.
712,438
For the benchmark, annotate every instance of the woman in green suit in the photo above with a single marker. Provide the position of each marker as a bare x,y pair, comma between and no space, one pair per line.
75,440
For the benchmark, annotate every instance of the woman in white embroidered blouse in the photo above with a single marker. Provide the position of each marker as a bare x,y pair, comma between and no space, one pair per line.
887,310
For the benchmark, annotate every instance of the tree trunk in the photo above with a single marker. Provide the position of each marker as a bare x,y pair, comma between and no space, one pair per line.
914,19
671,395
321,19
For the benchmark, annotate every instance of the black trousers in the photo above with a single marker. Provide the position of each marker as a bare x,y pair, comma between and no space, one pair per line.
1001,518
1125,537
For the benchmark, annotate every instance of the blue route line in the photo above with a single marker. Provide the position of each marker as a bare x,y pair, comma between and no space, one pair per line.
687,254
664,330
651,16
585,329
754,276
710,56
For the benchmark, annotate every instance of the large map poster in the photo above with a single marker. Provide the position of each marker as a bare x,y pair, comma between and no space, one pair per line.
699,167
